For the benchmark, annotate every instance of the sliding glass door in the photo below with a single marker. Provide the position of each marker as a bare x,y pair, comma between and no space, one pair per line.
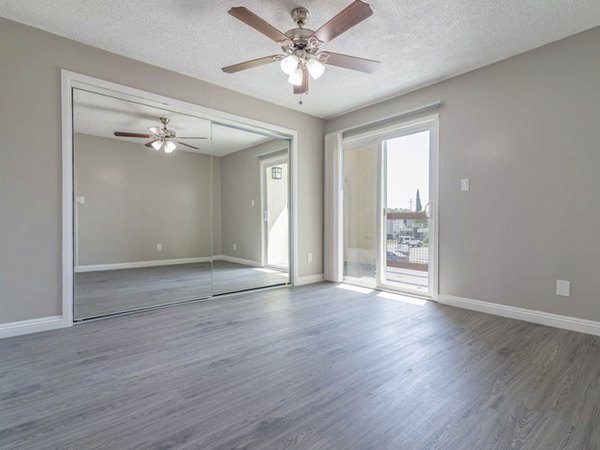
390,179
360,212
406,236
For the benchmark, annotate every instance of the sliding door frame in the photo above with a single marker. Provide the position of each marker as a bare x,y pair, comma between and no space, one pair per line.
406,129
264,233
72,80
426,123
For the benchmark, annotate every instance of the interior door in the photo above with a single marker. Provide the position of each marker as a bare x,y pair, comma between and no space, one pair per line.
408,185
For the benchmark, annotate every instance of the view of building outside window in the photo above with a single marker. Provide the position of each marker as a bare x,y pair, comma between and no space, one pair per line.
407,196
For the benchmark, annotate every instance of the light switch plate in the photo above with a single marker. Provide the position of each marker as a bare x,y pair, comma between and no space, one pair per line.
563,288
465,184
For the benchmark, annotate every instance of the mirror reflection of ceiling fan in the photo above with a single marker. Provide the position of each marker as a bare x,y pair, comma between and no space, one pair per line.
161,138
301,47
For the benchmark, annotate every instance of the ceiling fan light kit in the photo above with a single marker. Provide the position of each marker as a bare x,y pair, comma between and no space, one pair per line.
315,68
295,77
161,138
301,46
289,64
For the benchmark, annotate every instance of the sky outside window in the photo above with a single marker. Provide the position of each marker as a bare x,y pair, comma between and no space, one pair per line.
407,171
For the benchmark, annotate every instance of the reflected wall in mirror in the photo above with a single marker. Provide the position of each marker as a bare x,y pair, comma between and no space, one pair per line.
142,212
251,211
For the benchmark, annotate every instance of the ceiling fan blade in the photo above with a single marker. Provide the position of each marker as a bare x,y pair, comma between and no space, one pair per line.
149,144
192,137
351,62
260,25
187,145
157,131
133,135
250,64
353,14
303,88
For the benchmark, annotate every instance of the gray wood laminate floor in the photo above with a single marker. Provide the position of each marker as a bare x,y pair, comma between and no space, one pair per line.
111,291
316,367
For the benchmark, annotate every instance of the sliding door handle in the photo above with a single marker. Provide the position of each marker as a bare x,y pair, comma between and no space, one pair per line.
427,210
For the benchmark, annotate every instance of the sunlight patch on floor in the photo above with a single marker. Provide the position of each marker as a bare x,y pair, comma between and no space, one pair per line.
349,287
386,295
402,298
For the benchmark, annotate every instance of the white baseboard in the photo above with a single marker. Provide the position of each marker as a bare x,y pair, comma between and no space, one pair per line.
233,259
309,279
528,315
31,326
137,264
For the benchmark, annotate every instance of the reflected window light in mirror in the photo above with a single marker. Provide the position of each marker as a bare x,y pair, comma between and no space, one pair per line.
277,173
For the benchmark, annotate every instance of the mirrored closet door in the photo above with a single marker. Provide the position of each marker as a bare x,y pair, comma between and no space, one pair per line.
142,206
170,207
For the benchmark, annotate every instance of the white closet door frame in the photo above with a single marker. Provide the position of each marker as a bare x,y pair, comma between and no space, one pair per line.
71,80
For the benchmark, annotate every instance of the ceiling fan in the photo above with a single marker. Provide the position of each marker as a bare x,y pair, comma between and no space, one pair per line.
301,46
161,138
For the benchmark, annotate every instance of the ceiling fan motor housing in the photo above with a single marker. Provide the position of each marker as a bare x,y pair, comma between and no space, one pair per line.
301,42
167,133
300,16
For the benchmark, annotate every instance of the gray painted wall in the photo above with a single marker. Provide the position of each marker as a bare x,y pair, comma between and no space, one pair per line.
136,198
525,131
240,185
30,160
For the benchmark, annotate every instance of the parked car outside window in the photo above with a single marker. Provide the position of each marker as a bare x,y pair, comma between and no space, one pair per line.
409,240
396,256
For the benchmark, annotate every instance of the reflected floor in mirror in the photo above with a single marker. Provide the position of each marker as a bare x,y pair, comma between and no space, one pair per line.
112,291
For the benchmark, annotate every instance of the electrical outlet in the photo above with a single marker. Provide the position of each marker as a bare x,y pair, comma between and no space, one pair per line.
309,257
563,288
159,247
251,202
235,247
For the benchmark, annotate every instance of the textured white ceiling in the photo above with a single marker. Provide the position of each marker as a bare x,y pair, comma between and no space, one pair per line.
418,42
101,115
